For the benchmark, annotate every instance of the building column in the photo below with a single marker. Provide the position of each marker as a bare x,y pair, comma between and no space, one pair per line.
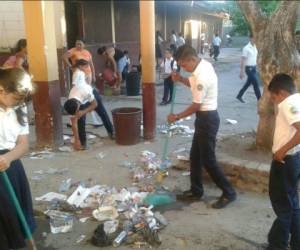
165,21
39,22
113,27
147,36
80,18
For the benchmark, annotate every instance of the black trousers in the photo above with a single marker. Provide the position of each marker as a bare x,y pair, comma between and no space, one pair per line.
283,191
251,79
101,111
203,154
216,51
168,89
12,232
81,125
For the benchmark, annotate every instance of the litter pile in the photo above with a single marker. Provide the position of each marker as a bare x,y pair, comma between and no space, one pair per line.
125,215
147,167
176,128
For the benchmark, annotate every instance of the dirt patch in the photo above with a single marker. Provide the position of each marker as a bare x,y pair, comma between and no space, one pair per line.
243,146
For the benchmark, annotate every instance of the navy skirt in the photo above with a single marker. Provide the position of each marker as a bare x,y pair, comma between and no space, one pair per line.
11,231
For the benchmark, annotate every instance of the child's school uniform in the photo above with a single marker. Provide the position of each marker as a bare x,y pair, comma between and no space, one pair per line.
167,66
10,129
284,179
78,79
84,94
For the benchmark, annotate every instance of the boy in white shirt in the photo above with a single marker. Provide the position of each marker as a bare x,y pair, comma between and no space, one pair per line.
168,65
285,168
80,102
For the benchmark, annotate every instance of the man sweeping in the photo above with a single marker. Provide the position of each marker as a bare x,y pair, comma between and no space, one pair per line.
204,86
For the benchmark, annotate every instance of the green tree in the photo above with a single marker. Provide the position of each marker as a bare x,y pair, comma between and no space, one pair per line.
241,26
275,41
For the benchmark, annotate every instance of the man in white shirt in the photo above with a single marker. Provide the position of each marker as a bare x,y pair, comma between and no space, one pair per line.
285,167
180,40
80,102
216,43
248,65
173,41
204,86
168,65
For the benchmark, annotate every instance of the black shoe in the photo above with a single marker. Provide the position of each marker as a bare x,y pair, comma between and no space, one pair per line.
111,136
168,102
189,196
69,125
222,202
240,99
163,103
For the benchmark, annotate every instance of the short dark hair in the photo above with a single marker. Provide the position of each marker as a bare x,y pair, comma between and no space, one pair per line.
81,62
71,106
101,50
282,82
185,51
168,50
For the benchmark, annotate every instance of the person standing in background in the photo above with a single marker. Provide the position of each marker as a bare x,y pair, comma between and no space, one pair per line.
158,43
173,42
19,59
180,40
216,45
248,65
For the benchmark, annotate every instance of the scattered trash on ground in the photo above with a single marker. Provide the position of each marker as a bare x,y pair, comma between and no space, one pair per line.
176,128
232,122
100,155
45,154
65,185
60,222
91,136
187,173
183,158
66,137
51,196
65,149
125,215
80,239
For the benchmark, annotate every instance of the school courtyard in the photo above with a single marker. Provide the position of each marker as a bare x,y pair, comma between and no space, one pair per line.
243,225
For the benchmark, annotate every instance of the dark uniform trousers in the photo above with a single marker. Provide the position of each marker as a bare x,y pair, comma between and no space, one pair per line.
101,111
251,79
283,190
203,154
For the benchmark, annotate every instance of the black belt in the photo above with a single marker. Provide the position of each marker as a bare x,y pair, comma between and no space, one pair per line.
251,66
201,113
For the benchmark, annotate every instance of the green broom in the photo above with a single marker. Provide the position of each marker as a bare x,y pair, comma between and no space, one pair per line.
28,235
162,172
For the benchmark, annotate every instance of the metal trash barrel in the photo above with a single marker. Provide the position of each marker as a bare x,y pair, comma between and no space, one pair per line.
133,80
127,124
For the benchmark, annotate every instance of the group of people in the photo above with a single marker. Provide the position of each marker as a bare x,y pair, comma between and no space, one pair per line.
16,86
285,166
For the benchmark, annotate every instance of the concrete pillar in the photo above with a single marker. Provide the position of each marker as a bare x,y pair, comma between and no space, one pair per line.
61,46
165,21
39,21
113,25
147,36
80,18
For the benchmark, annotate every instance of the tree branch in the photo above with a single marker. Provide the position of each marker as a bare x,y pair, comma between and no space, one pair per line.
252,13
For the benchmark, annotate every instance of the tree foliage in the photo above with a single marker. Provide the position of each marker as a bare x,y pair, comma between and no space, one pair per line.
240,24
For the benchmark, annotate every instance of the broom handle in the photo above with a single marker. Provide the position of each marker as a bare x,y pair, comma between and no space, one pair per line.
16,203
166,144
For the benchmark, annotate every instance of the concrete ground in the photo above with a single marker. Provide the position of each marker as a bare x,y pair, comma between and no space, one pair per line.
196,226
